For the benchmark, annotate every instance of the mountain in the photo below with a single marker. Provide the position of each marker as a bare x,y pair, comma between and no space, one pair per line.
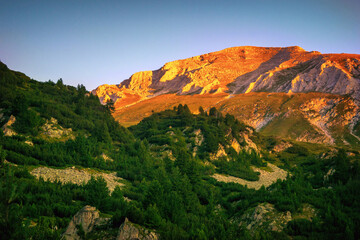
322,91
68,170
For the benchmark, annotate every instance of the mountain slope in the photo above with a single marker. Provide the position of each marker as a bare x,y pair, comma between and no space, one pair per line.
310,117
232,80
243,70
197,192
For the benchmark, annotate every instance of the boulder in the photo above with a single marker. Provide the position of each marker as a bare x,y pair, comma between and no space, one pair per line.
265,217
131,231
87,218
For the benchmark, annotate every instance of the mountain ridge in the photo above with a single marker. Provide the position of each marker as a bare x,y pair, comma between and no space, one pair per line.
182,175
242,70
239,71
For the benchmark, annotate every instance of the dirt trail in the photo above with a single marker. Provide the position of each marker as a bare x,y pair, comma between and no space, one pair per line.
266,178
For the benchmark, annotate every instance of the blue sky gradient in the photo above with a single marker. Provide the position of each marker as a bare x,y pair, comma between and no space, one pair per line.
95,42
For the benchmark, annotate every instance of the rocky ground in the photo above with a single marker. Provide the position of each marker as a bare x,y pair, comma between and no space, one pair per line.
76,176
265,216
266,178
52,130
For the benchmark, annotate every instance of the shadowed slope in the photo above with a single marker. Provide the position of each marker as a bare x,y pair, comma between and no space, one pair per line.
309,117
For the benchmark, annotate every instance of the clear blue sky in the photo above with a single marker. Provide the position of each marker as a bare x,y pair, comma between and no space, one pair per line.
96,42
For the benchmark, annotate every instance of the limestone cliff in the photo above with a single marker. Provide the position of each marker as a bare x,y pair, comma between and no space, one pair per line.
223,78
242,70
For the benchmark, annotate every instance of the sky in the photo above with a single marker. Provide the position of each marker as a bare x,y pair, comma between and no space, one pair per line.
94,42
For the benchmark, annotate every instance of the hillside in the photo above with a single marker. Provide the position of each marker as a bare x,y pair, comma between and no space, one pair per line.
229,78
310,117
242,70
68,170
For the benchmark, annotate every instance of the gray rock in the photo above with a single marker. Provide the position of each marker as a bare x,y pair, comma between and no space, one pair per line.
130,231
88,217
266,217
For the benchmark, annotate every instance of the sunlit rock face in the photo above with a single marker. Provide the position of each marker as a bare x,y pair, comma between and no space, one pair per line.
242,70
223,79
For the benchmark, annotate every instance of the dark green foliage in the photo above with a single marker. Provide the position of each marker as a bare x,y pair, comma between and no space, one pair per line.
299,150
177,197
299,227
80,231
2,156
96,192
11,226
175,129
31,101
28,122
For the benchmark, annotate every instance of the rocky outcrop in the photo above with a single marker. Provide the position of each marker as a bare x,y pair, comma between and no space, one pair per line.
199,137
249,144
52,129
281,146
7,127
30,143
223,78
265,217
106,157
131,231
325,113
219,153
198,141
87,218
306,72
243,70
235,145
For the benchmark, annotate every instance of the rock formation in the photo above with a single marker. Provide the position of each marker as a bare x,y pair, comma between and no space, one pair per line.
261,86
7,127
131,231
243,70
87,218
266,217
52,129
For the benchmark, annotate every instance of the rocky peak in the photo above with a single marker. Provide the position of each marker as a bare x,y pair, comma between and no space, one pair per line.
106,92
139,82
242,70
219,78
